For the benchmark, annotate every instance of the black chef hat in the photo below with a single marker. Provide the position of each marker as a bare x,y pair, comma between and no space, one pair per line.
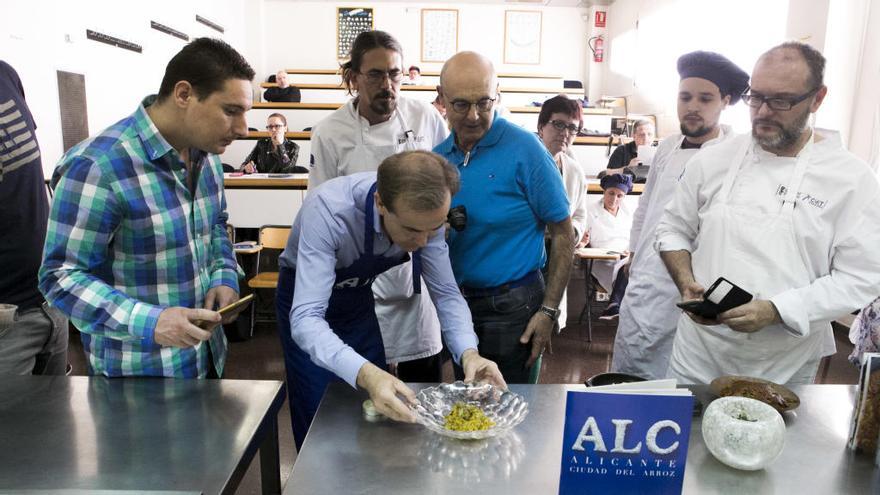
620,181
714,67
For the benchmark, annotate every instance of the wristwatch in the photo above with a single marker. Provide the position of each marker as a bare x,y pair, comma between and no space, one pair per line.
551,313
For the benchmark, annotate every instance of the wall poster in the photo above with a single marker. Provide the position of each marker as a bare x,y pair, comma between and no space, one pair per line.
439,34
522,37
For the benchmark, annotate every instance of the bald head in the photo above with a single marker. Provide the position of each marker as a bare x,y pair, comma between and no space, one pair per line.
795,57
469,90
468,67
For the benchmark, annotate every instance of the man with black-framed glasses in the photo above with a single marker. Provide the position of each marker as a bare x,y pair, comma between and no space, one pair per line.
788,215
512,192
372,126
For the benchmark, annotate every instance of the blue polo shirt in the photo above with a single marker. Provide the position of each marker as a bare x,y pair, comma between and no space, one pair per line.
512,190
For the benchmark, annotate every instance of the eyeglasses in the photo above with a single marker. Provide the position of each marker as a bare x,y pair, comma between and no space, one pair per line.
756,100
561,126
272,127
377,76
483,105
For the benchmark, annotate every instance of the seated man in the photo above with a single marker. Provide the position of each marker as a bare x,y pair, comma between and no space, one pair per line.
627,155
275,154
608,224
415,76
284,92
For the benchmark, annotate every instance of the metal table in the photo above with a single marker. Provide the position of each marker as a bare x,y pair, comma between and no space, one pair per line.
94,434
345,453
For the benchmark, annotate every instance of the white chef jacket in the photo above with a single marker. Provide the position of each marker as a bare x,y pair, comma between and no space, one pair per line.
345,143
335,138
576,189
648,315
609,232
835,223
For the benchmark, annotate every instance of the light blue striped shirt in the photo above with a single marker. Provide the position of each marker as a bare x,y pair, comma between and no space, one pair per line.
328,234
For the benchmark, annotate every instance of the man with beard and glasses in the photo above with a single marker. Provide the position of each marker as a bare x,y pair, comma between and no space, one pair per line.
785,213
648,315
374,125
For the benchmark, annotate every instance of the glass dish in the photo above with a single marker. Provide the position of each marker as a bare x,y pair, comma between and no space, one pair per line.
505,408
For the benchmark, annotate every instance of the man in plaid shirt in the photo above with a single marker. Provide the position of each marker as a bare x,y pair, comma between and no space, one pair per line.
136,251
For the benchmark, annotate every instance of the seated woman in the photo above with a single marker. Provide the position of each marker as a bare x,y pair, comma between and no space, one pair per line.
274,154
627,155
559,122
609,221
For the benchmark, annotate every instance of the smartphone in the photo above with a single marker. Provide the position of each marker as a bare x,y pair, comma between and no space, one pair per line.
241,303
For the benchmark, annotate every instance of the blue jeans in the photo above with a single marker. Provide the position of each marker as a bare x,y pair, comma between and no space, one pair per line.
35,343
499,321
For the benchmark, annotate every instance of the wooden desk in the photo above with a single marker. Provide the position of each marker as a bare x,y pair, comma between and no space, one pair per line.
255,200
591,255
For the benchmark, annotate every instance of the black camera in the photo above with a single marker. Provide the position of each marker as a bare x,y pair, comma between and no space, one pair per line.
457,218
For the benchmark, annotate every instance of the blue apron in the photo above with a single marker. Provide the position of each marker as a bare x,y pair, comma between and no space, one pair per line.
350,314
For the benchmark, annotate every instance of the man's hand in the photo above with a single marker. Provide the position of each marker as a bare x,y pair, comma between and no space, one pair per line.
177,327
750,317
538,330
384,389
585,239
249,168
692,291
221,296
479,369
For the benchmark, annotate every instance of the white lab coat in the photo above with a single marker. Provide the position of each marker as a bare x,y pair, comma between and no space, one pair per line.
576,189
609,232
648,315
801,232
345,143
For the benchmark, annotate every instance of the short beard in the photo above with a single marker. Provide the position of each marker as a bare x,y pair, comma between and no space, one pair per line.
383,107
786,137
698,133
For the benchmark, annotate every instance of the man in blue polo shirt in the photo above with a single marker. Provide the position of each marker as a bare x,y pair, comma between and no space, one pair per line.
512,193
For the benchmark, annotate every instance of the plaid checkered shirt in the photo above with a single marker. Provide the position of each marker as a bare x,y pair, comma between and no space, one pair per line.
127,239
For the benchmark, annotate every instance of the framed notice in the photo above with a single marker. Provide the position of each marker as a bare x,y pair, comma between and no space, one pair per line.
439,34
522,37
350,22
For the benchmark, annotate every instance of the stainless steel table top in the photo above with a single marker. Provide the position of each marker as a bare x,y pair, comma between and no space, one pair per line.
345,453
146,434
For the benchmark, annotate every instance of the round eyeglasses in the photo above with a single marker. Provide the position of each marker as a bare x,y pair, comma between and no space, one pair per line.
483,105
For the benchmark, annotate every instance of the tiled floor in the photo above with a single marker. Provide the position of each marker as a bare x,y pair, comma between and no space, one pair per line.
573,361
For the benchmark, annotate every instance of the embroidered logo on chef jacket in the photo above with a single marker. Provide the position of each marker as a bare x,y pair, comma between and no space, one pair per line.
801,197
353,282
410,135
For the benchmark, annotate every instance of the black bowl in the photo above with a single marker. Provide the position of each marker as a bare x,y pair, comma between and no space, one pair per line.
612,378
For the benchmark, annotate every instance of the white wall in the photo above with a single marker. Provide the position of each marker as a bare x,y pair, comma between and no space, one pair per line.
302,34
40,37
646,37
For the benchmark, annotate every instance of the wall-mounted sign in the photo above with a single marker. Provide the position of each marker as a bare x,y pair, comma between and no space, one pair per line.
113,41
169,31
211,24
